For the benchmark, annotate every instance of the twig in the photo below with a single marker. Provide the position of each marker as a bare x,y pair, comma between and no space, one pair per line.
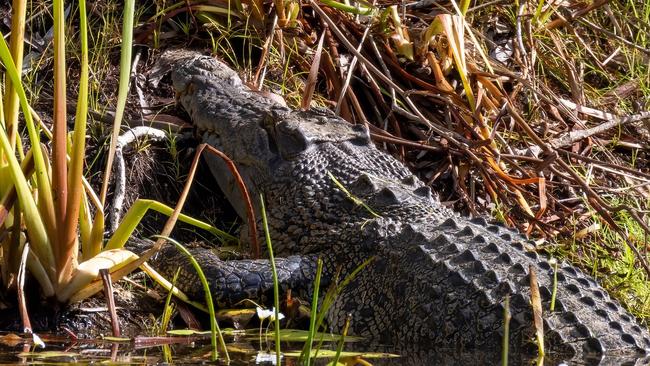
453,137
520,38
404,142
250,213
110,301
120,170
561,22
375,50
351,68
144,105
575,136
604,209
482,5
597,163
595,200
258,80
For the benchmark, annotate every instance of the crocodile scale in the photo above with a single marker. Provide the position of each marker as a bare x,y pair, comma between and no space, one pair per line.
438,279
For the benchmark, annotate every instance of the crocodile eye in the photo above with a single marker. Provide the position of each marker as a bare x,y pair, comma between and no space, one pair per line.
289,140
362,135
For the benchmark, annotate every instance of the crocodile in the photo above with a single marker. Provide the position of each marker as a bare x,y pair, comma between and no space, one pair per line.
437,280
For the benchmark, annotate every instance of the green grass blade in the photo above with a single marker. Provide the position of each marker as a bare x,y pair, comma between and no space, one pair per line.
339,346
307,349
75,178
125,74
464,6
356,200
333,292
554,292
97,235
538,11
85,229
168,309
214,326
2,118
35,228
38,233
16,44
140,208
276,285
164,283
351,9
37,270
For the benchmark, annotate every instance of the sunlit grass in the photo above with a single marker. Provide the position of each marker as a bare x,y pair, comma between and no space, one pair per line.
612,262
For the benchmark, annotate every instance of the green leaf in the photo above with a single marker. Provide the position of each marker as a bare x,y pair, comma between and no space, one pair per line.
36,230
187,332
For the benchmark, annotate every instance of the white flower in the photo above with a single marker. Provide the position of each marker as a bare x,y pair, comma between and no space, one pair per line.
263,314
266,357
39,342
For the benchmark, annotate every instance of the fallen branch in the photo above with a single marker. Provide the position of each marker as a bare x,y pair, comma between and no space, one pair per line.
614,121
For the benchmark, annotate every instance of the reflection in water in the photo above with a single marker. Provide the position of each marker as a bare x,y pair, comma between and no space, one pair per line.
196,350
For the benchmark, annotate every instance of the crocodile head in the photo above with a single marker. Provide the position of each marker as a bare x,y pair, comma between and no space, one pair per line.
261,135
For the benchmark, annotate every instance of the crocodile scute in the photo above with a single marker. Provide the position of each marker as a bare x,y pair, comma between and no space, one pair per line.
438,280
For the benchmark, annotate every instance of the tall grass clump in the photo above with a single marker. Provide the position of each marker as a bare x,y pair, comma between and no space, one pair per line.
44,198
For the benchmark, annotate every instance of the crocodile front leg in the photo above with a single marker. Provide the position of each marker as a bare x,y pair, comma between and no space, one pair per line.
232,281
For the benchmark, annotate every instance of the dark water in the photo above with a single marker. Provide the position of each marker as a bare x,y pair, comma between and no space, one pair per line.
244,349
185,350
